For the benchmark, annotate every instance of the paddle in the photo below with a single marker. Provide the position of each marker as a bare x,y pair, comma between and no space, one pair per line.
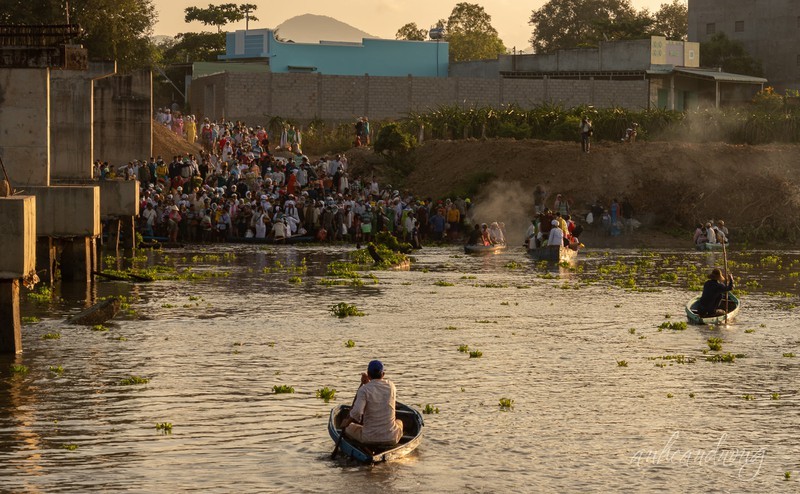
725,258
341,434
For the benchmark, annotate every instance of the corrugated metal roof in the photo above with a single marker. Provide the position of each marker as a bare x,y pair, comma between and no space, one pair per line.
708,74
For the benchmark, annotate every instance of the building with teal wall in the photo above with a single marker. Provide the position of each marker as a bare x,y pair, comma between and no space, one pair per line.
376,57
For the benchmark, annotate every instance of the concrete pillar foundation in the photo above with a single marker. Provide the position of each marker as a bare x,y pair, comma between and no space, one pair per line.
10,321
128,232
76,260
46,260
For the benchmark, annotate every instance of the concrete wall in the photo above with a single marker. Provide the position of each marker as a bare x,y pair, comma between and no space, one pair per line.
379,57
123,123
68,211
770,32
254,97
119,198
17,236
25,125
484,69
615,56
71,122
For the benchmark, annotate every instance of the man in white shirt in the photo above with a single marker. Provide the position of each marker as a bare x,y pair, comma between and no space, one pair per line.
372,419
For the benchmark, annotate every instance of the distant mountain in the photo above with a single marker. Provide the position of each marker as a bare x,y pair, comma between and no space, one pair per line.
310,28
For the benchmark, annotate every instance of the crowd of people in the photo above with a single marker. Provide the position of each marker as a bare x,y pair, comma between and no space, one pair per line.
237,188
553,227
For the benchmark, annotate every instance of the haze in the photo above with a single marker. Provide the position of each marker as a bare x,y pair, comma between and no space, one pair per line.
380,18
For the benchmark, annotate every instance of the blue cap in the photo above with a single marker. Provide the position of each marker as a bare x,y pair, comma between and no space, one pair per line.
375,367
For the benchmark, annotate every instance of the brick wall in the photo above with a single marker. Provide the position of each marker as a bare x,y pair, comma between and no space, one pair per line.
255,97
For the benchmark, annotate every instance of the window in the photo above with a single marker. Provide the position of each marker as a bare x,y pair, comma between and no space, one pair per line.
711,28
739,27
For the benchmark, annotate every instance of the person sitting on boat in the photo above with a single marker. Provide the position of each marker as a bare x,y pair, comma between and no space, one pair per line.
713,291
475,236
496,234
721,228
699,235
556,236
710,234
372,419
486,238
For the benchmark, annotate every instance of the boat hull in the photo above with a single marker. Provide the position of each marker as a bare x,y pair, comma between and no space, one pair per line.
707,246
694,318
553,253
484,249
412,436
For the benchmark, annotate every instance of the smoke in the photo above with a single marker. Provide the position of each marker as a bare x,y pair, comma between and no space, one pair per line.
505,202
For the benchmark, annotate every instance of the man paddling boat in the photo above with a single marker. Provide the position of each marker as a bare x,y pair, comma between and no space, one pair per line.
713,291
372,419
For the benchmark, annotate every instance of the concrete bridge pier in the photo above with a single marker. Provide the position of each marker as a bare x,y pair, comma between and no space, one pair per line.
77,259
18,238
46,265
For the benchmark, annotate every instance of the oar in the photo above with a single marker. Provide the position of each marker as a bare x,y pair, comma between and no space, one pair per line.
725,258
341,434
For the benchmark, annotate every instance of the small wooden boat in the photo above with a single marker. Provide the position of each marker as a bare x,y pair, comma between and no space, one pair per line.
708,246
98,313
412,436
483,249
553,253
733,309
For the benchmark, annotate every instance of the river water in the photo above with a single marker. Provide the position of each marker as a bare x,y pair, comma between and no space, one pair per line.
552,339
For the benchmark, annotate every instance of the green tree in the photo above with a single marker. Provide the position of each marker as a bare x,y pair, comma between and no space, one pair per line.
470,33
672,20
220,15
730,55
411,32
562,24
112,29
193,47
396,145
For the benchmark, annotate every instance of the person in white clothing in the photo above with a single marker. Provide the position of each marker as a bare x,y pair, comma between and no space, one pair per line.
372,419
556,235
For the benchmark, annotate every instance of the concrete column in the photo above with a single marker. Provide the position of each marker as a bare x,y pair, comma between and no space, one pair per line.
10,321
46,260
716,94
671,101
76,260
128,231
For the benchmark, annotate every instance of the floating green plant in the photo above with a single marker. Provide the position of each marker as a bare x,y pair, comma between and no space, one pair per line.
492,285
69,446
51,336
430,409
678,359
632,330
513,265
349,344
129,381
504,303
776,396
677,326
749,331
56,369
715,344
19,369
271,344
165,427
326,394
342,310
99,327
722,357
506,404
622,363
523,287
194,298
443,283
669,395
475,354
295,279
42,294
121,338
167,306
788,355
787,475
451,328
30,320
463,348
485,321
748,397
283,388
691,395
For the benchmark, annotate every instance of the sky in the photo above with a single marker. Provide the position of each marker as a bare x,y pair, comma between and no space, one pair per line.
380,18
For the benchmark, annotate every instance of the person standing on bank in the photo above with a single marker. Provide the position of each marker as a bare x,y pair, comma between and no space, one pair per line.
372,419
586,133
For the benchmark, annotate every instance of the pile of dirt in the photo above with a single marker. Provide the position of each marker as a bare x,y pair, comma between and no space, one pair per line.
756,188
168,144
